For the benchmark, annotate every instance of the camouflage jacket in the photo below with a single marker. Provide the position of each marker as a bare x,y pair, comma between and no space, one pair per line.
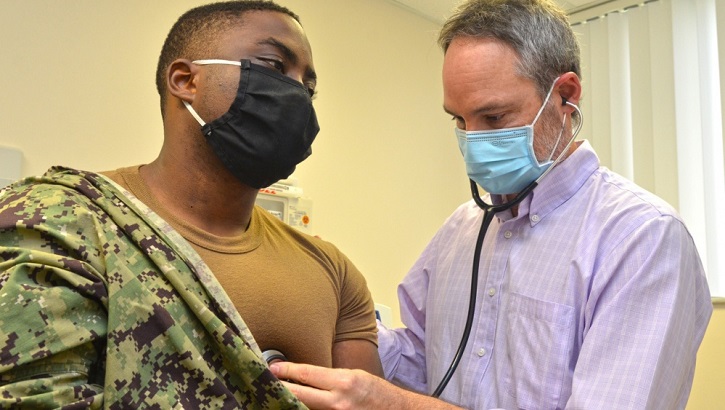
103,305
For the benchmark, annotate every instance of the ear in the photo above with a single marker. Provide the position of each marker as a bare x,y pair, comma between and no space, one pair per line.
569,89
181,80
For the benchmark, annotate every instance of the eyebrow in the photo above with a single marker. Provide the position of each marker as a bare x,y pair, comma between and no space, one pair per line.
481,110
288,53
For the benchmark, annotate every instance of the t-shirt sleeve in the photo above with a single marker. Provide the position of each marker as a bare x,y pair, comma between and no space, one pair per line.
356,319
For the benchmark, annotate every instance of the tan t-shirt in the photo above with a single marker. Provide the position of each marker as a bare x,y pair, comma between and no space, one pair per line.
298,294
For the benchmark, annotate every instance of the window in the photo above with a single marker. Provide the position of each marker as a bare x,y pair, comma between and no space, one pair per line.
652,108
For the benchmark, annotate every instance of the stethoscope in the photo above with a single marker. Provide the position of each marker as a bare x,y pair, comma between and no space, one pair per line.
489,211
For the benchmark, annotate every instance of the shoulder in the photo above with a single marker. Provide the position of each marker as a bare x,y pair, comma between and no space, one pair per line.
462,221
74,203
47,194
282,232
123,176
463,215
56,213
629,195
612,200
616,212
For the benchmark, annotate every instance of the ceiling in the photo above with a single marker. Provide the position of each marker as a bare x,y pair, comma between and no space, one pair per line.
438,10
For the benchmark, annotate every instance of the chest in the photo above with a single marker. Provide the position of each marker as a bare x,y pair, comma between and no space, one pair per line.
289,301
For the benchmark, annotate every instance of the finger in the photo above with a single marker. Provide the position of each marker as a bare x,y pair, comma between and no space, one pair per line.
310,396
319,377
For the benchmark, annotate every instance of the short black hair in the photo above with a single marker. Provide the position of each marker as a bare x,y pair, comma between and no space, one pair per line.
194,32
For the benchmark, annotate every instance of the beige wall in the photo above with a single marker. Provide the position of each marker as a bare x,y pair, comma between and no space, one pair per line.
708,390
77,81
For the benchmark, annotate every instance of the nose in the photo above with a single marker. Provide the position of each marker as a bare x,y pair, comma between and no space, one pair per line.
304,74
297,77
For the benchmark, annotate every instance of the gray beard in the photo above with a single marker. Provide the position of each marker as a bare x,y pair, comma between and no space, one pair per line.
552,139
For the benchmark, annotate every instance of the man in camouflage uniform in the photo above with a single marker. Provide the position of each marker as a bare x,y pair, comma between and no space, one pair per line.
103,304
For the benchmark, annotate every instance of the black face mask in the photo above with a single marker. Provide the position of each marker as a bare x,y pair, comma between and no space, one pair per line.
267,131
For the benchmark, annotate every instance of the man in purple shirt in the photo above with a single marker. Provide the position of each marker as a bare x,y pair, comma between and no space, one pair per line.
591,293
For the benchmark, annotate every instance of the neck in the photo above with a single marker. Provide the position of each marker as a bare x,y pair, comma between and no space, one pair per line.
511,197
515,208
212,200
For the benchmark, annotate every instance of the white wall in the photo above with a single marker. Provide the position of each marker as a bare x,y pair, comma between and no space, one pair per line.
77,83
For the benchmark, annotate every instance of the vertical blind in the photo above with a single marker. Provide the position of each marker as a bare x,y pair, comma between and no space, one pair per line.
651,76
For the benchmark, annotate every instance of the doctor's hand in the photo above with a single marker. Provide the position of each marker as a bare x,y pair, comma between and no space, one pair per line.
323,388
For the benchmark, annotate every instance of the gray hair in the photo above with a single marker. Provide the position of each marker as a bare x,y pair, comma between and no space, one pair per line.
537,30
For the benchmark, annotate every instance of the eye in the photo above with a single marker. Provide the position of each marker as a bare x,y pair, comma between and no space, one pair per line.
274,63
460,123
494,118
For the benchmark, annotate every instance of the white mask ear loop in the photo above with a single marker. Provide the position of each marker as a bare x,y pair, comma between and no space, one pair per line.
208,62
217,61
553,149
571,140
546,101
194,114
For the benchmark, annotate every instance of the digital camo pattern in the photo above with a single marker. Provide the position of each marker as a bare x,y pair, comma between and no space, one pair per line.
202,271
99,308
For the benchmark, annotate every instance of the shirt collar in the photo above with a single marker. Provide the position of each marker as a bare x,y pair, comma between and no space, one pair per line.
558,186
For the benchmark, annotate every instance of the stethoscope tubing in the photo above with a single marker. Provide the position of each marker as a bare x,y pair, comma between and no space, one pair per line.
489,211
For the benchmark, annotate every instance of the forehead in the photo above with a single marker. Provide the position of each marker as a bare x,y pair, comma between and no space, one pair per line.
487,61
479,70
257,26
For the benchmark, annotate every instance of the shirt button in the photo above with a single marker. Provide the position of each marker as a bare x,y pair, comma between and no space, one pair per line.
491,292
535,218
508,235
481,352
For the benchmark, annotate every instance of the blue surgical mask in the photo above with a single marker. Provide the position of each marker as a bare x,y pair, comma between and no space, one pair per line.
503,161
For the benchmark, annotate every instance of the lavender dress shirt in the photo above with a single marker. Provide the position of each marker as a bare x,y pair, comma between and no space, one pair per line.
593,297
